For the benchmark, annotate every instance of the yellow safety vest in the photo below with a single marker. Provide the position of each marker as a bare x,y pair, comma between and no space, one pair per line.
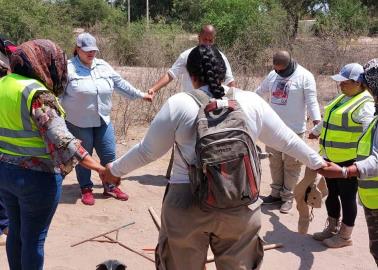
19,135
340,134
368,188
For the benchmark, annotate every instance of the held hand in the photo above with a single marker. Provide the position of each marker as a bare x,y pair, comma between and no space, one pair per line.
151,92
315,122
331,170
148,97
312,136
107,177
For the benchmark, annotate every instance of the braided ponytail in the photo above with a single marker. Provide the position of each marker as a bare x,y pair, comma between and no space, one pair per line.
207,64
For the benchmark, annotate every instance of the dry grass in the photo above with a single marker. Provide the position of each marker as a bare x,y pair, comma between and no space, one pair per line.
323,57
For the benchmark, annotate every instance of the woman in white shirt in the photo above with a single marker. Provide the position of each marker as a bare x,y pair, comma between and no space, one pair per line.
187,230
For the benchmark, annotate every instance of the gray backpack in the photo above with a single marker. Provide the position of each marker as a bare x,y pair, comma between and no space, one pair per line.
227,172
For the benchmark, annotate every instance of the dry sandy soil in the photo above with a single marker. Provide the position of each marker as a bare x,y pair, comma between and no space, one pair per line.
74,222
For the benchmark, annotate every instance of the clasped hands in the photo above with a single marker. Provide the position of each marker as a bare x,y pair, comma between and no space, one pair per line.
107,177
332,170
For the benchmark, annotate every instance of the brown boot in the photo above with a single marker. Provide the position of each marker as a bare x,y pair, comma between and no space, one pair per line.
331,229
342,239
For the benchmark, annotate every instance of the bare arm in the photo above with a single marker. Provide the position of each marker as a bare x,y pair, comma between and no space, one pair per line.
91,164
163,81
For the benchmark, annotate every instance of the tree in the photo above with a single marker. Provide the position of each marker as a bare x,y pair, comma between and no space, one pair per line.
372,5
345,18
295,10
28,19
157,8
88,12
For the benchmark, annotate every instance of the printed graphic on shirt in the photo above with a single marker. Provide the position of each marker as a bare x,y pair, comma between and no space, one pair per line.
280,92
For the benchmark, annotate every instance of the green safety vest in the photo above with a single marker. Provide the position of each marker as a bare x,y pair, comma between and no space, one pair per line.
368,188
340,134
19,135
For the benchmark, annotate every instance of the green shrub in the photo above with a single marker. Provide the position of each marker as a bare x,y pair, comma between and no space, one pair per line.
346,17
137,44
30,19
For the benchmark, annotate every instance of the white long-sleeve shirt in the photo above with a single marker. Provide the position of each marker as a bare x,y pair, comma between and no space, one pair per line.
179,71
291,98
175,122
368,167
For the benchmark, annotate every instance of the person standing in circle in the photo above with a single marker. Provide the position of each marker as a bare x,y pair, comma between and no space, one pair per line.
87,100
345,119
36,149
188,227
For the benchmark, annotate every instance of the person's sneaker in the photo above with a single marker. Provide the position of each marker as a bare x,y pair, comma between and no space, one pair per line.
286,207
116,193
271,200
87,196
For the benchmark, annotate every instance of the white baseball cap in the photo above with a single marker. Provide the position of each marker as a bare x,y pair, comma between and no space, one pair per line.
86,42
353,71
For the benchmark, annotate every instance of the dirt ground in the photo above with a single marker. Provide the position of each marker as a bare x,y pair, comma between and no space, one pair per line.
74,222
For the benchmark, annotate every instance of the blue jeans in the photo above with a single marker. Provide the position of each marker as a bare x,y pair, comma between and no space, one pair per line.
99,138
3,217
31,198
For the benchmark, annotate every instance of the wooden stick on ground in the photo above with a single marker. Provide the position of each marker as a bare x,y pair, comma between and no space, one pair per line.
266,247
128,248
272,246
103,234
155,217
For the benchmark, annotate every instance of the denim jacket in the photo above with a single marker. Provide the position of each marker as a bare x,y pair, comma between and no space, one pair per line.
88,94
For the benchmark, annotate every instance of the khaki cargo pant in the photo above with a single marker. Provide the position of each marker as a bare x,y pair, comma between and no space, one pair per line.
285,171
371,216
187,232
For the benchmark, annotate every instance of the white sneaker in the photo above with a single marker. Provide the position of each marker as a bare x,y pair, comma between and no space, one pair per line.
3,239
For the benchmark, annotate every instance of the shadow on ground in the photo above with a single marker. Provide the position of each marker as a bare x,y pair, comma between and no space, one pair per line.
303,246
148,179
71,193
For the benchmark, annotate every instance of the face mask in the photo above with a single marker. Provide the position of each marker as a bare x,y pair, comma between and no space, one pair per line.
288,71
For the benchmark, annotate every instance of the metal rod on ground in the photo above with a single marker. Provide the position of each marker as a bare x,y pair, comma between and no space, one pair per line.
103,234
128,248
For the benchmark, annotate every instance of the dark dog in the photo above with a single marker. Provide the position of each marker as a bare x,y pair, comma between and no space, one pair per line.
111,265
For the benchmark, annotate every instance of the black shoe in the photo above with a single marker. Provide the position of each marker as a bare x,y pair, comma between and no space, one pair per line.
271,200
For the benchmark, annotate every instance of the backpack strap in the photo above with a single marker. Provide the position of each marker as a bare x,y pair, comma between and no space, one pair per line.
231,93
199,96
182,156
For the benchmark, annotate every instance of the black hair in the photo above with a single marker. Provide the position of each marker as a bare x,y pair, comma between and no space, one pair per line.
207,64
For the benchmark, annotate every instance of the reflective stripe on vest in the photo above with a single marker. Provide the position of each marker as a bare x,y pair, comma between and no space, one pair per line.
368,188
18,134
340,134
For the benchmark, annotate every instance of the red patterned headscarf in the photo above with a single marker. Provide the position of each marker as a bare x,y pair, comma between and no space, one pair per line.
43,60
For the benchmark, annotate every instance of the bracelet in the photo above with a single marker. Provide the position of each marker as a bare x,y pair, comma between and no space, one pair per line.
344,172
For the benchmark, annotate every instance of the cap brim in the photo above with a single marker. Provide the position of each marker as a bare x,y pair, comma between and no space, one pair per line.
339,78
88,49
